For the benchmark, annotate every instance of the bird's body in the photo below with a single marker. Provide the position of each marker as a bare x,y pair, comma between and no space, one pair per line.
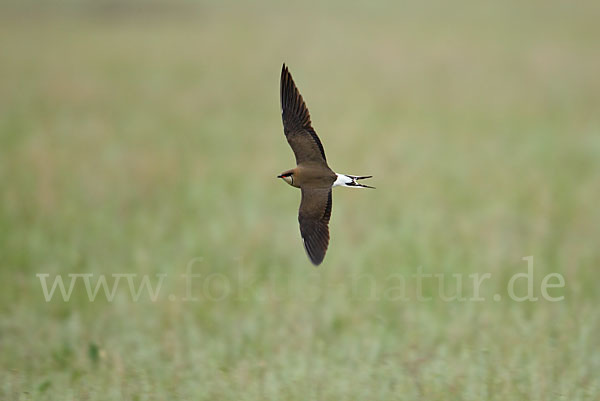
312,174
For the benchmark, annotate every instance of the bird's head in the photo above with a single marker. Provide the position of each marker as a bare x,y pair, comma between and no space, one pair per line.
287,176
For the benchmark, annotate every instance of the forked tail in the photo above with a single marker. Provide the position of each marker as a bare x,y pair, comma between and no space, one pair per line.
344,180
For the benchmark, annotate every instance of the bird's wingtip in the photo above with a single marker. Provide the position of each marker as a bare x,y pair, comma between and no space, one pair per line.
316,262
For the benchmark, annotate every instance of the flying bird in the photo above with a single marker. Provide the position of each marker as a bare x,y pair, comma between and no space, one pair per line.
312,174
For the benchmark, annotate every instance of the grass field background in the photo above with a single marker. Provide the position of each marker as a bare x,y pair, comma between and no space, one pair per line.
145,138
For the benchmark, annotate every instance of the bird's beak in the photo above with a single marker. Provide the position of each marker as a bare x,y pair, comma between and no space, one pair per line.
279,176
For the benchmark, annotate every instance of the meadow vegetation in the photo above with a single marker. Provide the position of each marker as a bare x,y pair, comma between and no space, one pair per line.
146,140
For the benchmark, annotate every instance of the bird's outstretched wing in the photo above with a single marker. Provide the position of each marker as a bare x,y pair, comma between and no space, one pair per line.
296,123
313,216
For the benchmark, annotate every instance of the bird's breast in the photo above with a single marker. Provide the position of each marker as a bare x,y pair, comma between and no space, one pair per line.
314,176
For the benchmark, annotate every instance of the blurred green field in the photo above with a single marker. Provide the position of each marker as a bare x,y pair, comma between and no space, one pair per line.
145,139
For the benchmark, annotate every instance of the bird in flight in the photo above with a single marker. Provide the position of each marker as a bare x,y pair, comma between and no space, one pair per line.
312,174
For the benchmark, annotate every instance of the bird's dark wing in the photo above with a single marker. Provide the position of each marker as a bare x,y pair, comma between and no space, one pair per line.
296,123
313,216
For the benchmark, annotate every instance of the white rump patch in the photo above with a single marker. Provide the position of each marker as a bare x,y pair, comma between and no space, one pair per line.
342,180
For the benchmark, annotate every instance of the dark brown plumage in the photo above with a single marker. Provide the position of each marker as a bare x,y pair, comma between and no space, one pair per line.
312,174
296,123
315,207
313,216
